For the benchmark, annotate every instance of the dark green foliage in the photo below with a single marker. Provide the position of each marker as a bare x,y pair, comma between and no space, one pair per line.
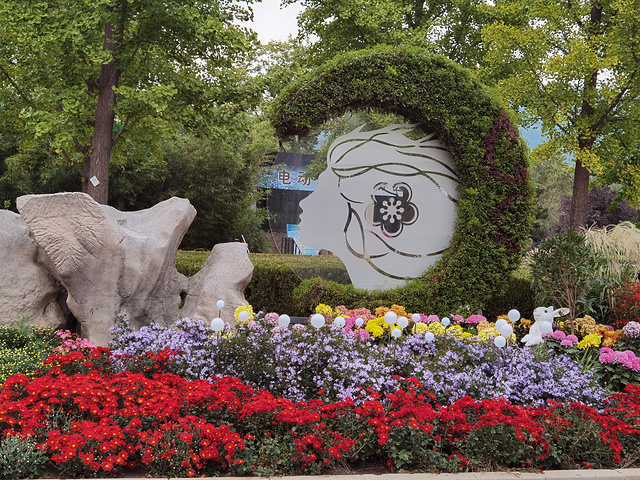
275,277
20,458
270,288
519,295
495,207
564,270
36,170
278,286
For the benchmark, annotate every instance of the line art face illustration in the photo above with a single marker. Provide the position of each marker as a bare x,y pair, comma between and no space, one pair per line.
386,205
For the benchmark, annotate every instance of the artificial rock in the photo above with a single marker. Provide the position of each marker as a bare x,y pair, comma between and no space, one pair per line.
109,261
27,290
223,276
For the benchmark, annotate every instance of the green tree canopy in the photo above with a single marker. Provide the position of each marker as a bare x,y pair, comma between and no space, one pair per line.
574,66
446,27
89,73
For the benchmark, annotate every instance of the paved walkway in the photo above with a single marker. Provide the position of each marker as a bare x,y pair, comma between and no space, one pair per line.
622,474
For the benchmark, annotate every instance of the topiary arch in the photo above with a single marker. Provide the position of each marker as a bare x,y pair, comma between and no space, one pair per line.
495,207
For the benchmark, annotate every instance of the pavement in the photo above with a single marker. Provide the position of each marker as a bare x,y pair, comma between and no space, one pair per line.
621,474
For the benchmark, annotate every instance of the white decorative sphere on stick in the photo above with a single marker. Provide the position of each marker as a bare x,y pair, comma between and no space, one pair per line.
390,318
546,327
396,333
500,341
217,324
403,322
284,320
506,330
359,322
339,322
243,316
514,315
317,320
500,323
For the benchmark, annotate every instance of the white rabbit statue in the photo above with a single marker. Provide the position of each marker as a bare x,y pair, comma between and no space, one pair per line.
540,315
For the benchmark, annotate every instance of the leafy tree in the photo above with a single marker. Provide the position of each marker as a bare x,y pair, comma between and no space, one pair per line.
552,180
574,66
220,179
446,27
85,73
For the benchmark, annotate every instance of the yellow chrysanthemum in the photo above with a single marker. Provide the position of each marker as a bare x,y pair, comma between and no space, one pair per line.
484,325
244,308
591,340
436,328
465,335
395,327
420,328
488,333
325,310
455,330
374,329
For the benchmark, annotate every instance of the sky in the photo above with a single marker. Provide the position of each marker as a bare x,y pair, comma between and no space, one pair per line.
273,23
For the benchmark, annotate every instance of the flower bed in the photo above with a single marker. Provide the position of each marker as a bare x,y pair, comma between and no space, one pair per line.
268,398
297,362
90,420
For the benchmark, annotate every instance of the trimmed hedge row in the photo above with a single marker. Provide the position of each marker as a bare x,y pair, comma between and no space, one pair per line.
277,286
495,206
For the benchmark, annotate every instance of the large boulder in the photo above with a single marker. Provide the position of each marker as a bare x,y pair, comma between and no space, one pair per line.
26,288
109,261
223,276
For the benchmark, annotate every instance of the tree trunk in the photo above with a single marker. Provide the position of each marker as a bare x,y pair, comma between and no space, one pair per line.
579,201
96,170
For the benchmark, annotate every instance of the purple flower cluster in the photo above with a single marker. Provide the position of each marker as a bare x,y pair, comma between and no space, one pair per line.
298,361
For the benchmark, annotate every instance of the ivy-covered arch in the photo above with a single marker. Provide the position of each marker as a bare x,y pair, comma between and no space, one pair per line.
495,207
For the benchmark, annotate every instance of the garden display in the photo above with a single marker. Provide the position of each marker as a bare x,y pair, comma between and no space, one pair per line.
388,389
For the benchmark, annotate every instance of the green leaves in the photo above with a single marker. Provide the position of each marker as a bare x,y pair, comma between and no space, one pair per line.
573,66
170,65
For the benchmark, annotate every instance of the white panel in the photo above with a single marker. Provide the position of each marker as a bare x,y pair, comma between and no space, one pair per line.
386,205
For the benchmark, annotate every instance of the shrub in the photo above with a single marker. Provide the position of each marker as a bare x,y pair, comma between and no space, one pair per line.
519,295
563,270
23,348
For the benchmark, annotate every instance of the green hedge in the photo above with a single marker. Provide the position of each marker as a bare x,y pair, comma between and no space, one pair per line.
275,277
277,286
495,206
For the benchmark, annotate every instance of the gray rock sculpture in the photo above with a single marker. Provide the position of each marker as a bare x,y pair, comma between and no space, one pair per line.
223,276
110,261
26,288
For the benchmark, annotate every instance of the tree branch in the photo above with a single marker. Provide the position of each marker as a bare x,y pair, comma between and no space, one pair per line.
126,122
71,162
15,85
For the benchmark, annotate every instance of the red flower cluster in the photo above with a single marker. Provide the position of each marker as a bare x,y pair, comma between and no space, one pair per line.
101,422
627,304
